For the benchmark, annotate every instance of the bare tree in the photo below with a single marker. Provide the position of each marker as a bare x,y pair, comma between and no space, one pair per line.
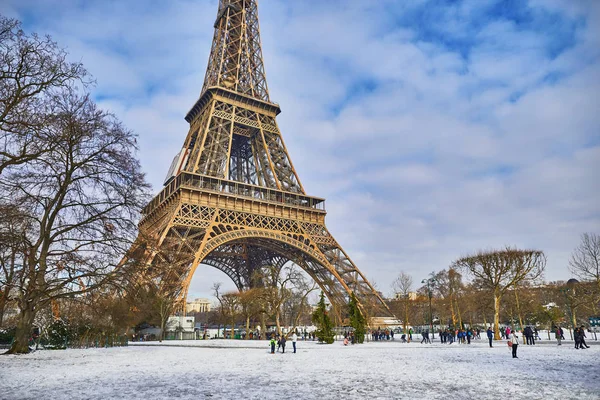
32,69
250,305
402,287
280,287
500,270
456,289
230,302
585,259
164,305
296,307
448,285
442,287
82,197
221,309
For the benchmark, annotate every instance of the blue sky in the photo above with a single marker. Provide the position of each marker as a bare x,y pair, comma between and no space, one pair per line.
432,128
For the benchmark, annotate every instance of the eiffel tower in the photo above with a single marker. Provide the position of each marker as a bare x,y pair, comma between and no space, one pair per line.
232,198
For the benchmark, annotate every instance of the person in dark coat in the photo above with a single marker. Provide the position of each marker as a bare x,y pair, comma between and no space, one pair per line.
490,335
528,333
282,343
582,338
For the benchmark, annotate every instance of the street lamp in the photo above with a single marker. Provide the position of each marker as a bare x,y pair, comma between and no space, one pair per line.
429,282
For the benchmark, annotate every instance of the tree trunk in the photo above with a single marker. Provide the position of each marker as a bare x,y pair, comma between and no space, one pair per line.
162,330
442,315
460,323
497,297
277,322
452,311
405,315
23,332
247,327
2,305
519,308
263,326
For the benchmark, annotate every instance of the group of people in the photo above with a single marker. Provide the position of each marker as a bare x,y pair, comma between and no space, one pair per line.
531,335
280,341
383,334
459,335
579,336
449,336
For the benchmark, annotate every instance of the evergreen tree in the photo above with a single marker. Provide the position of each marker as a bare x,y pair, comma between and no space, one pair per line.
58,334
357,320
324,325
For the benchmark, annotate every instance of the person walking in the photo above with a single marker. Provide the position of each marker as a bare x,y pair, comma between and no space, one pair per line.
273,344
490,335
514,340
582,338
294,340
424,337
558,335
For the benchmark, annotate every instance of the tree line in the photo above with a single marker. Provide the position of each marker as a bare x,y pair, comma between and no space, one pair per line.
503,287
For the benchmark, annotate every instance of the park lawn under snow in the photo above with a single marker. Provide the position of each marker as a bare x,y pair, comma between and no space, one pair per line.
238,369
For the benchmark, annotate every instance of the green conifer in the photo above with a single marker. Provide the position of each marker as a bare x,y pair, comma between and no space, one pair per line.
357,320
324,325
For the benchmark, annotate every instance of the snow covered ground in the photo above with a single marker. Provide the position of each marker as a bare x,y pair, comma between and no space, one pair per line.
224,370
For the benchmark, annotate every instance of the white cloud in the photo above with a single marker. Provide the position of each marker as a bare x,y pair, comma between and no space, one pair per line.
426,147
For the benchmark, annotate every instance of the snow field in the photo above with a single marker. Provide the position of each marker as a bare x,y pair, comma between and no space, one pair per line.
238,369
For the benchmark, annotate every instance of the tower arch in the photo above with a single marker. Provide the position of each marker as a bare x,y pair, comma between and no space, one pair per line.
241,252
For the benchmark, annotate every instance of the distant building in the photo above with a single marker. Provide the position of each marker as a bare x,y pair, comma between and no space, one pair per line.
180,324
198,305
411,296
384,322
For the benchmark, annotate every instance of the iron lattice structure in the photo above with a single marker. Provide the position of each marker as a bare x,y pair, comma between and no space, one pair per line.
232,199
